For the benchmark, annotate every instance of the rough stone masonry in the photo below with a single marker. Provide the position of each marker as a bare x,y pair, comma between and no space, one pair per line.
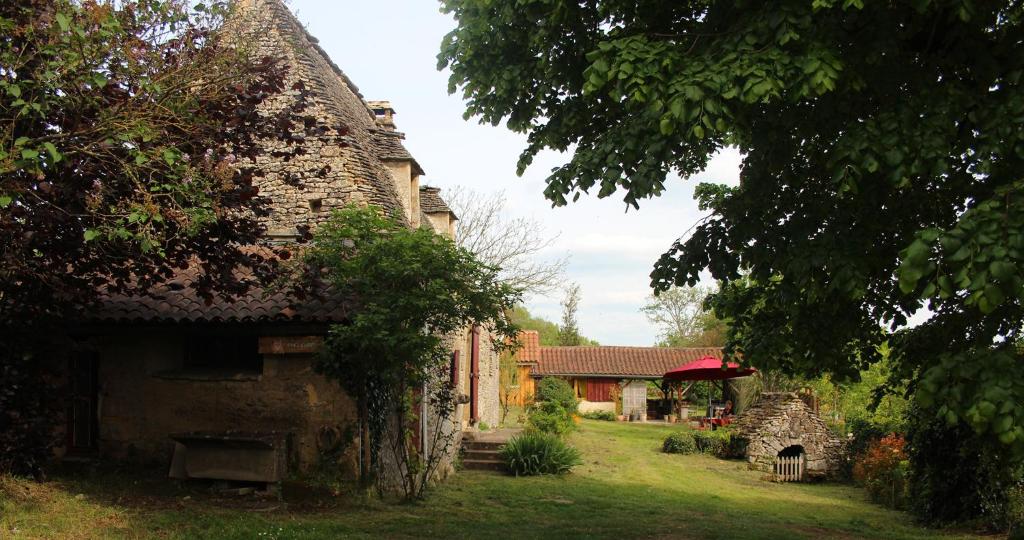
780,420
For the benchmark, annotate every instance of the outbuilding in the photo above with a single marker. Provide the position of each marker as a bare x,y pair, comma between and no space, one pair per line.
780,425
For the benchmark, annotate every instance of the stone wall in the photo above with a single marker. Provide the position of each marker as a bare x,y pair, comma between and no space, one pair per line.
143,400
780,420
488,403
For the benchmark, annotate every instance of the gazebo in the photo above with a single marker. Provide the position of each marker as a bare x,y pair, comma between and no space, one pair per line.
708,369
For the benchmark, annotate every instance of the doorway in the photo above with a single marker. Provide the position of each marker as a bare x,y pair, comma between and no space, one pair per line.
83,418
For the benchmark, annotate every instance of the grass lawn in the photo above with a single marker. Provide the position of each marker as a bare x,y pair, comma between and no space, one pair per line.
626,489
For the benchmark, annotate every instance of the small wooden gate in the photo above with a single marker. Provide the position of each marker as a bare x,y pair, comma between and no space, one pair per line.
789,468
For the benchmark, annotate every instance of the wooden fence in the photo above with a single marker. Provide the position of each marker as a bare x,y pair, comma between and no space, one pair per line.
789,469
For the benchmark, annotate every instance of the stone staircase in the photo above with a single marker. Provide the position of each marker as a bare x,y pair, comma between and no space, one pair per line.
481,456
480,450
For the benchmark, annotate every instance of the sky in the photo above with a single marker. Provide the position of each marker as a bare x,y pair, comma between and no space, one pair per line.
389,47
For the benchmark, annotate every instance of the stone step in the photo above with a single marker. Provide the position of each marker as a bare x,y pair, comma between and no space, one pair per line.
481,455
480,465
482,445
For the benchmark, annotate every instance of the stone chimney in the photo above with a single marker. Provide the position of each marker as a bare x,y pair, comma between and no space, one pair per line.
384,113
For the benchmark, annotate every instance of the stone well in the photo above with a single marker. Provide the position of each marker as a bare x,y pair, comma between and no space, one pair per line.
781,424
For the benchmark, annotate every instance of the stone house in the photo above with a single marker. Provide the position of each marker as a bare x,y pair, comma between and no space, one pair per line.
781,424
170,364
598,373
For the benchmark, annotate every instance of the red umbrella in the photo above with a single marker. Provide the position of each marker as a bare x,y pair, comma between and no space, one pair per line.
708,368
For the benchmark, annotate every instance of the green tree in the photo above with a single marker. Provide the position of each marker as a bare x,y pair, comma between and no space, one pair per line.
547,330
128,136
412,292
569,330
683,320
883,144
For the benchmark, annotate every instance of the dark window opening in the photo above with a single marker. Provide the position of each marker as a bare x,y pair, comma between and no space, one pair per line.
223,354
316,205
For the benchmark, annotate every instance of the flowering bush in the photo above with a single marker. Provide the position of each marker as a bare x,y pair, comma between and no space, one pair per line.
882,470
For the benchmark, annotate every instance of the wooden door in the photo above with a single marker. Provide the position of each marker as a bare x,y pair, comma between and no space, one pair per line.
83,421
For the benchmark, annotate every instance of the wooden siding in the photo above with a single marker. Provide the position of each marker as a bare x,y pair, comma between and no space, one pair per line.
600,389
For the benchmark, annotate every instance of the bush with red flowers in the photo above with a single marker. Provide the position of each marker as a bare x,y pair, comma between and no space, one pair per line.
882,470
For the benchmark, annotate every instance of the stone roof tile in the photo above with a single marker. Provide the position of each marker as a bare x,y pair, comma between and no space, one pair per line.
329,88
431,201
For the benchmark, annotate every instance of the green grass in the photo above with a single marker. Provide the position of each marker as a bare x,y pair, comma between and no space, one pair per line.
626,488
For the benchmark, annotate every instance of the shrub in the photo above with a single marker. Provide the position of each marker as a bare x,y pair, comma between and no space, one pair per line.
558,391
721,443
731,445
882,470
958,476
710,442
532,453
27,412
600,415
550,417
679,443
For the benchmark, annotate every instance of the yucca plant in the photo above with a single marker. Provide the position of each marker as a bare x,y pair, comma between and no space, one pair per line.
532,453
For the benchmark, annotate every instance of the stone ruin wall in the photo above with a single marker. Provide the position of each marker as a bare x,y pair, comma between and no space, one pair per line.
780,420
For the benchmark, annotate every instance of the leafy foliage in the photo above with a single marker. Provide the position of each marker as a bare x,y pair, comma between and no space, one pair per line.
127,146
558,391
533,453
882,470
679,443
550,417
721,443
547,330
882,142
607,416
411,290
681,317
127,151
956,477
569,330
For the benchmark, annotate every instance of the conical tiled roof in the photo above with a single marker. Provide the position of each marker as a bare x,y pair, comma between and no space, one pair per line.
272,30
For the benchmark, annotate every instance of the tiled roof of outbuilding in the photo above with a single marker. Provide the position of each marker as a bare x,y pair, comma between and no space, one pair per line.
530,351
641,362
176,301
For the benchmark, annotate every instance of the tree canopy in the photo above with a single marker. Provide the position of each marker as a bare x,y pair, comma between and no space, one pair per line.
682,318
412,292
547,330
127,146
882,154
